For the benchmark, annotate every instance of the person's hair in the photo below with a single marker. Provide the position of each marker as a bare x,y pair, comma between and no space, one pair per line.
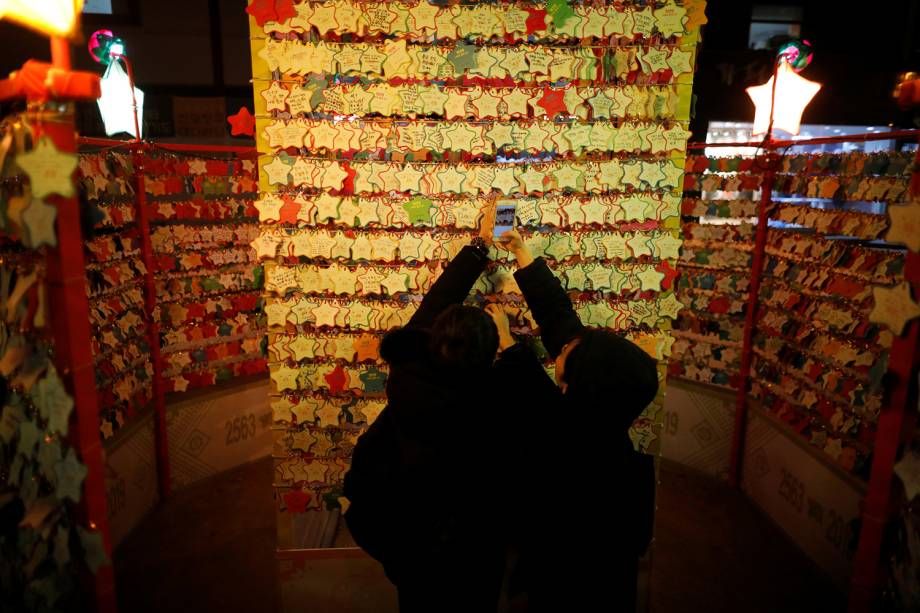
463,337
604,367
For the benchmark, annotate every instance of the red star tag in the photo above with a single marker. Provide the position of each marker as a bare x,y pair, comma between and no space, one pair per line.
536,21
263,11
669,275
336,380
284,9
243,123
296,501
288,211
553,102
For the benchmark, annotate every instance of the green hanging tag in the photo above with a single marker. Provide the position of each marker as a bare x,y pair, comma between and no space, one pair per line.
560,11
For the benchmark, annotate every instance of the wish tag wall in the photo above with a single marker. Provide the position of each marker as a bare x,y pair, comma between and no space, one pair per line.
205,303
388,130
819,352
830,305
115,274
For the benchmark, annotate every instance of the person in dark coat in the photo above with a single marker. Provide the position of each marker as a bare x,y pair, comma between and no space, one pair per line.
592,504
428,483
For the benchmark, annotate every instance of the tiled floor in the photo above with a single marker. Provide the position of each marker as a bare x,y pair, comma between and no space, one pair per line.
211,548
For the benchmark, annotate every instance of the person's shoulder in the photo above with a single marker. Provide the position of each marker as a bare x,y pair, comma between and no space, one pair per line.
403,345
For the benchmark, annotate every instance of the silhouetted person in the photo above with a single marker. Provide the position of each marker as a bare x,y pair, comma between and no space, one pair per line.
428,484
589,514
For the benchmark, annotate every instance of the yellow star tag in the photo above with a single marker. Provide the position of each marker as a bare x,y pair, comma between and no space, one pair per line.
49,170
905,224
38,219
894,307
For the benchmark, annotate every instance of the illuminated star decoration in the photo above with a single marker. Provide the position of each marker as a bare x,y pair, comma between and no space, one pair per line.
243,123
55,17
116,105
793,93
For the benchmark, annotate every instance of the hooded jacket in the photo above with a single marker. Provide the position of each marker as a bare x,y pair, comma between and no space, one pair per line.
594,470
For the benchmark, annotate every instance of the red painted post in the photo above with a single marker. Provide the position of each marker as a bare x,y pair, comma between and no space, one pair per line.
139,157
897,415
760,241
66,285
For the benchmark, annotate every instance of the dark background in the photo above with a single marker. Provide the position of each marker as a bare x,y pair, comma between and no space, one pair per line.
200,48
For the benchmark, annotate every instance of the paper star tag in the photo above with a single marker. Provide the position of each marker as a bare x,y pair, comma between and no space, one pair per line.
669,306
53,401
38,218
275,96
300,100
536,20
28,436
894,307
49,170
650,279
418,209
323,18
10,418
277,171
670,19
269,207
668,246
314,472
266,246
263,11
462,57
908,470
553,102
560,11
296,501
70,474
328,415
93,549
424,14
696,14
243,123
367,347
680,61
905,224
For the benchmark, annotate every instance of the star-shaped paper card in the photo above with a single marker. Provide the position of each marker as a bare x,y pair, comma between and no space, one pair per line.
49,170
905,224
894,307
242,123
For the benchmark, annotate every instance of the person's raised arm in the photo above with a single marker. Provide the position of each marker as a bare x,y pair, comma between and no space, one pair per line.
517,366
550,305
454,284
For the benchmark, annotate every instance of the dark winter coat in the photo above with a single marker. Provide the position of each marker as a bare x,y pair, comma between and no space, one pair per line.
429,480
594,516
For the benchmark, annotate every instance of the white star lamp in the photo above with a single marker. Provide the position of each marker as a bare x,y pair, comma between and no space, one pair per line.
793,93
117,104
